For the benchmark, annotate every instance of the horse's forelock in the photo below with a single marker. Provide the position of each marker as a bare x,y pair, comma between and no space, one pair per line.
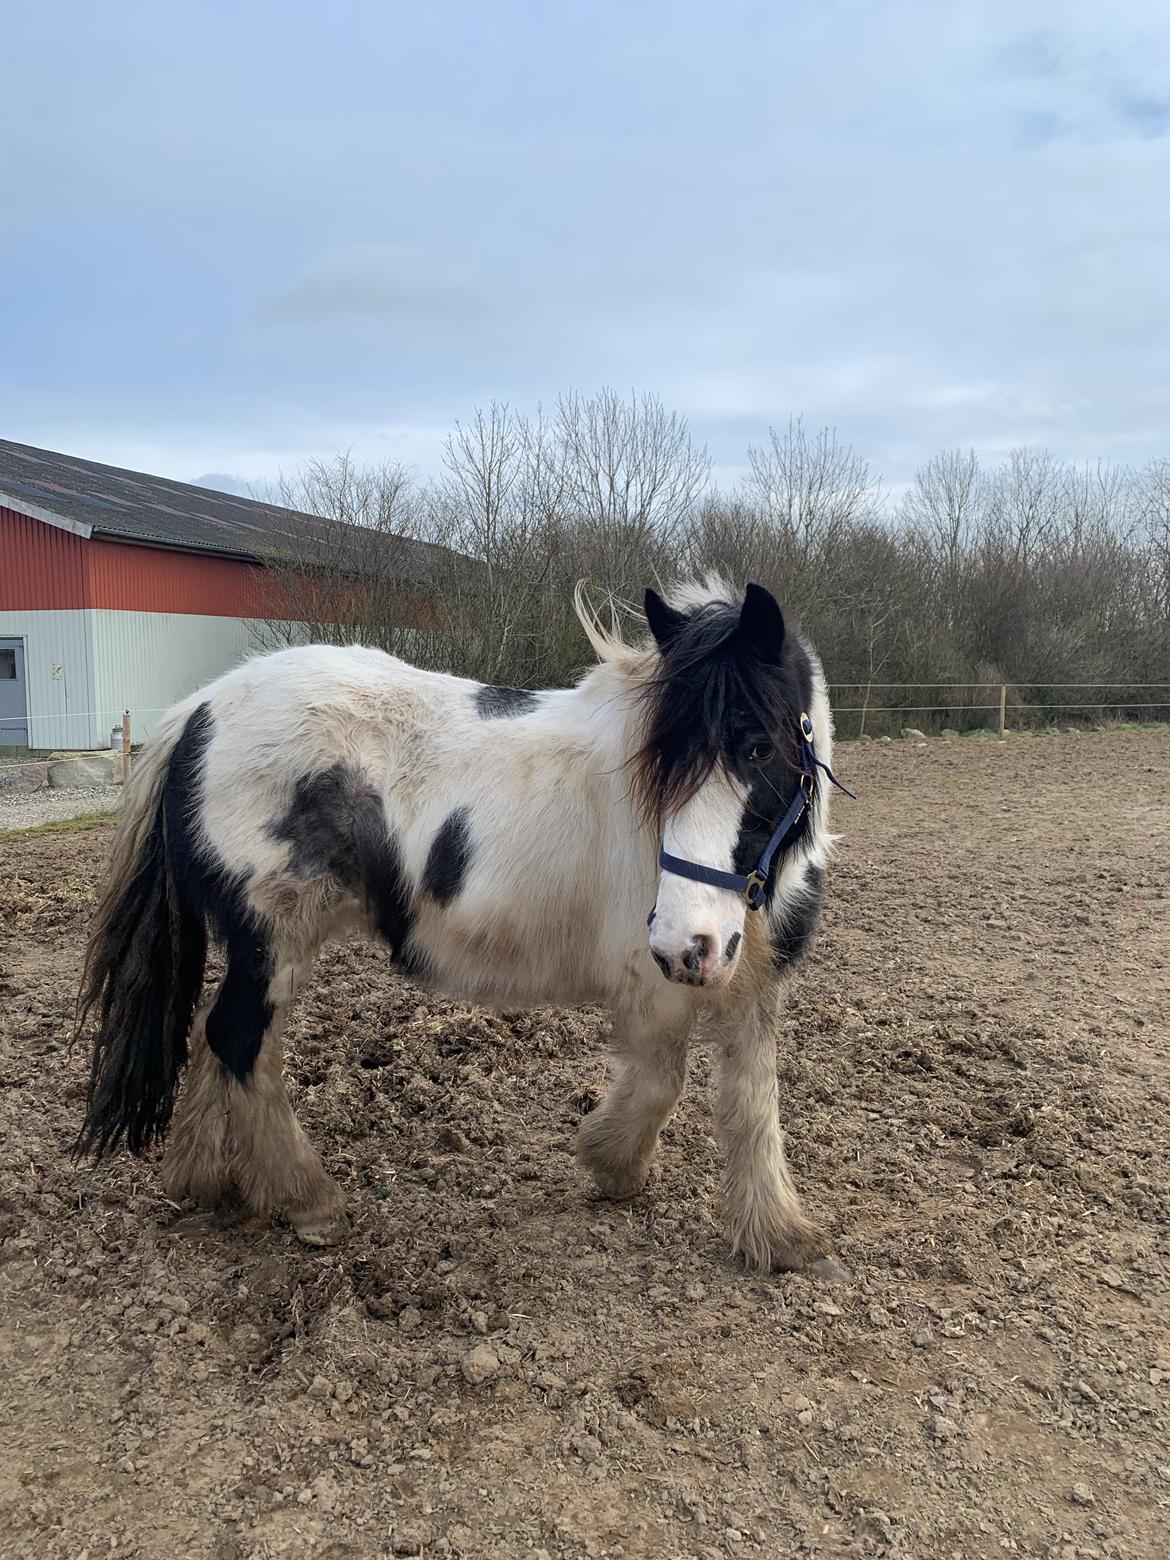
695,702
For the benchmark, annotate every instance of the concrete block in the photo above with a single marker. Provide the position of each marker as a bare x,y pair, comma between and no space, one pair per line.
86,769
22,778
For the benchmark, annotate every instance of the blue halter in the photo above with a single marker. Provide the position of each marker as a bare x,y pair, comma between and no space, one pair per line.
752,884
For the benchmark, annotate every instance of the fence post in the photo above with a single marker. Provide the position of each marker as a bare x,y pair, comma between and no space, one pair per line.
1002,711
125,746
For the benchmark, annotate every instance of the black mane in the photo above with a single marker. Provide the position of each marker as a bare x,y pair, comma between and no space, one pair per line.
714,698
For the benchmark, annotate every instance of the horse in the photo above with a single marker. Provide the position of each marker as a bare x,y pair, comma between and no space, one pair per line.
653,840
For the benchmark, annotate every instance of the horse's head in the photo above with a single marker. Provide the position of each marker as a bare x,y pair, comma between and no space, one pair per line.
719,769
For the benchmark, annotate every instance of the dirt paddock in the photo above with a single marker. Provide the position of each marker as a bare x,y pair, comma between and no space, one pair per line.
974,1070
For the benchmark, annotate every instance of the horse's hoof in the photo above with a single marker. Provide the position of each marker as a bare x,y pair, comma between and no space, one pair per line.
227,1211
619,1188
828,1271
329,1231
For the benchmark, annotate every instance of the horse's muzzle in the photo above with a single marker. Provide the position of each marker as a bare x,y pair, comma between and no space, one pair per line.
699,963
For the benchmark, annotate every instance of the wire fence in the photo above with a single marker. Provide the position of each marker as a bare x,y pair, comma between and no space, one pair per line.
117,719
856,720
115,716
964,706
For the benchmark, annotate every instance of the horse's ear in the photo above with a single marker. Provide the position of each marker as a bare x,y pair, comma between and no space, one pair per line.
761,623
664,621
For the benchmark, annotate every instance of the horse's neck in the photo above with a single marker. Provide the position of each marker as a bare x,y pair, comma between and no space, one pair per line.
599,718
602,709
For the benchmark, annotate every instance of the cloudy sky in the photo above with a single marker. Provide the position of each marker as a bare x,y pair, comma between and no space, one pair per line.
236,235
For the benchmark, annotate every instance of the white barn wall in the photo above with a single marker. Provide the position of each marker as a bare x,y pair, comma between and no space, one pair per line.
84,667
59,672
146,661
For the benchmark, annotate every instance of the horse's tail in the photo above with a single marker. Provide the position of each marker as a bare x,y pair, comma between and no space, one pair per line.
144,964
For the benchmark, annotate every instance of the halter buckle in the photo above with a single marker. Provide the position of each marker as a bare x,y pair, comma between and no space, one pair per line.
754,892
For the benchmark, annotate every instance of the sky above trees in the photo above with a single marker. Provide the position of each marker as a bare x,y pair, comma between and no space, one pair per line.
238,237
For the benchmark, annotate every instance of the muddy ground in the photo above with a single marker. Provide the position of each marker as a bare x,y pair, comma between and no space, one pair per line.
974,1070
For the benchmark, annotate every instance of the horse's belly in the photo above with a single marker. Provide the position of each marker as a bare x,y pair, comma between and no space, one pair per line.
500,961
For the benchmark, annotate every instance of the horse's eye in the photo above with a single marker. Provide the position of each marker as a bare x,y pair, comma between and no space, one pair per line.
761,752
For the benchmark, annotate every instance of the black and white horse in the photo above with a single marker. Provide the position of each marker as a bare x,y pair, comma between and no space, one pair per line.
507,845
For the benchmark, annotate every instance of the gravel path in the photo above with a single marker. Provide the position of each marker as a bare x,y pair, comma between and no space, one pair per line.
57,804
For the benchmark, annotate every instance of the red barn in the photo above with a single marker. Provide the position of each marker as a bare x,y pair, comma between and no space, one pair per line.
121,591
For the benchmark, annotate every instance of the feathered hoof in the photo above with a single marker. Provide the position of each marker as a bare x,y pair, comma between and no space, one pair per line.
787,1247
615,1178
828,1271
316,1230
805,1250
618,1185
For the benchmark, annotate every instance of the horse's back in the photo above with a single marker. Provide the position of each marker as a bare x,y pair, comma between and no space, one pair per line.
341,678
302,707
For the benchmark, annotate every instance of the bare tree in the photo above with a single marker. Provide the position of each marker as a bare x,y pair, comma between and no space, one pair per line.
810,490
361,556
379,497
632,477
1024,505
944,505
1033,569
1153,513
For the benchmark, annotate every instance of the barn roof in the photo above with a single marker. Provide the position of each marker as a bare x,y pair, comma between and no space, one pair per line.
90,499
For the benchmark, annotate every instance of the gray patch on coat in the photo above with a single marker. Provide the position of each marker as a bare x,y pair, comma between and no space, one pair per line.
337,828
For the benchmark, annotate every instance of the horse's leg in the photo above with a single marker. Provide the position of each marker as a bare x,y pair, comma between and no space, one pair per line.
196,1159
273,1164
235,1130
761,1207
617,1140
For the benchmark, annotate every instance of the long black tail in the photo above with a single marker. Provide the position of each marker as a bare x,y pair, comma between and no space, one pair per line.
147,950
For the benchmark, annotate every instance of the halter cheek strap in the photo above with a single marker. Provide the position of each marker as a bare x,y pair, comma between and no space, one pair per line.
753,884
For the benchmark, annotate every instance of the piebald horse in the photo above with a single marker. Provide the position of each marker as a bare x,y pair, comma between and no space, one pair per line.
508,846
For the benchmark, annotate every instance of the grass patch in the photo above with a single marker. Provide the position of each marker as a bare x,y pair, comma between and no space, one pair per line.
1134,725
59,825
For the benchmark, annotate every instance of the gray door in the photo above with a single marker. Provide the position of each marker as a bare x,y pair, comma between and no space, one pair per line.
13,695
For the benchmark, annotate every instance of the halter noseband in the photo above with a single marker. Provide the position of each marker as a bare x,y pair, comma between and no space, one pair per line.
752,884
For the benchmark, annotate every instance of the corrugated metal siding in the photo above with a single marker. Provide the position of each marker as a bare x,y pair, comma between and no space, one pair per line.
58,663
42,568
125,578
147,661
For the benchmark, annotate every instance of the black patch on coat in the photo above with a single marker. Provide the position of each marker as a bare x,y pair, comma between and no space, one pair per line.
320,824
337,828
798,924
242,1011
448,857
413,962
494,703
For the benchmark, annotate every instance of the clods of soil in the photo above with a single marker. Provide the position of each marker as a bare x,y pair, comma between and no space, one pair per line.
975,1078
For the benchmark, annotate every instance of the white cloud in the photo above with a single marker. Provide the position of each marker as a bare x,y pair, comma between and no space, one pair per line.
924,226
